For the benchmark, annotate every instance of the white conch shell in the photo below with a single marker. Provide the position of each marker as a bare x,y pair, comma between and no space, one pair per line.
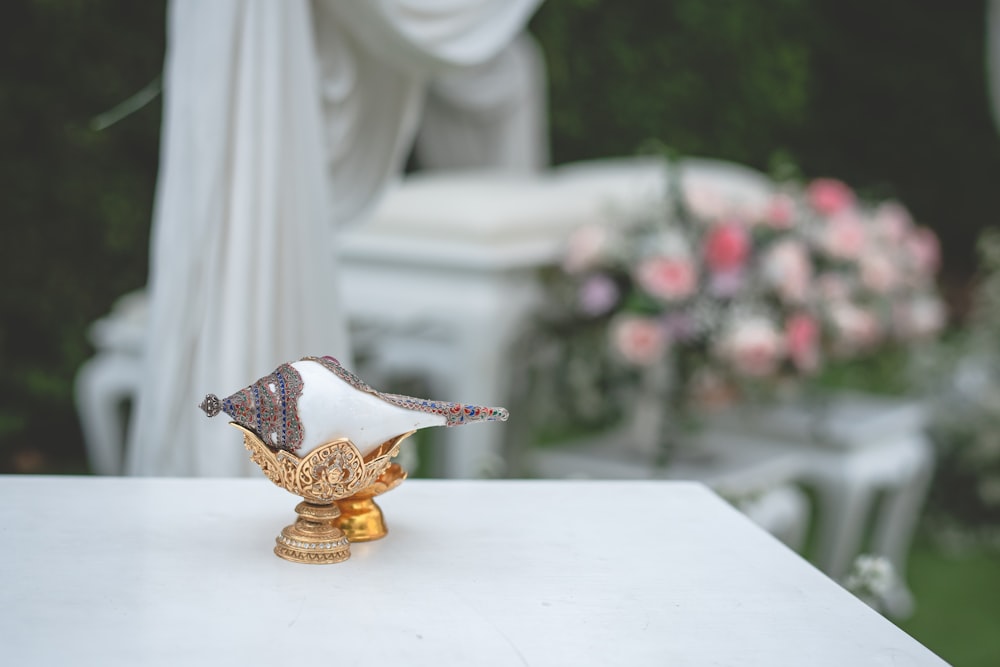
314,401
330,408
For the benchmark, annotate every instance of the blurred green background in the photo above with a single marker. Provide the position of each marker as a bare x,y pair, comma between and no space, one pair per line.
889,96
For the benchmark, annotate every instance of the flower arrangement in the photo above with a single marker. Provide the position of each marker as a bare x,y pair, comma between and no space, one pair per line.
739,296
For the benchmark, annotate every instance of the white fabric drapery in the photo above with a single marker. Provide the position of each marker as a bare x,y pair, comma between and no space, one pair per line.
281,121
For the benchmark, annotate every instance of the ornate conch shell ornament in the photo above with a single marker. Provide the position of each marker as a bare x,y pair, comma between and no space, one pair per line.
319,431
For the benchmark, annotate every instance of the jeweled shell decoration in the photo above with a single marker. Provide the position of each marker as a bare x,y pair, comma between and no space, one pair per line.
311,402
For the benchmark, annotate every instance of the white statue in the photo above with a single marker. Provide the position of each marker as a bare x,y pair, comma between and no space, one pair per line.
494,115
250,193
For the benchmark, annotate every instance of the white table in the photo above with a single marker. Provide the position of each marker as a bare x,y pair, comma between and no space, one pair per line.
112,571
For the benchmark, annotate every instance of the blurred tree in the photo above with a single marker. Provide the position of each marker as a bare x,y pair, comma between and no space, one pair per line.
890,97
76,204
900,106
728,78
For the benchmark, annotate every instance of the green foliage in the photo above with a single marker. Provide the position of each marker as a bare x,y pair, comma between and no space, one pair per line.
722,78
888,96
76,204
964,502
956,616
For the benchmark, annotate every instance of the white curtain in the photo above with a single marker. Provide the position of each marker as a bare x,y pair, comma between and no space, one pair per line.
281,121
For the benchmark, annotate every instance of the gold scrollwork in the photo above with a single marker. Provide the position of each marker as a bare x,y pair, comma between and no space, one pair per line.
330,472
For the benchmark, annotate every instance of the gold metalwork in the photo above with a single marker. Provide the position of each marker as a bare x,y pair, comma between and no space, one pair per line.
331,472
360,516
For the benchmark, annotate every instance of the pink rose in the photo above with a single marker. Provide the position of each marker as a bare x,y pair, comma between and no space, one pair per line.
892,222
879,273
780,212
667,278
727,247
802,341
598,295
788,268
753,347
925,249
829,196
844,236
587,245
640,340
856,328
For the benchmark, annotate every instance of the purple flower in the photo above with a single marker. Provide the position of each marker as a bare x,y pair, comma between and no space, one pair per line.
598,295
680,327
726,284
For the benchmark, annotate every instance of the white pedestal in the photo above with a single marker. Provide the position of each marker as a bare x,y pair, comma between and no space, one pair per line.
448,311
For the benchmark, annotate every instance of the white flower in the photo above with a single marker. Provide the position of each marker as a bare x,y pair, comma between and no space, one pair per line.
857,328
753,346
871,577
921,317
587,246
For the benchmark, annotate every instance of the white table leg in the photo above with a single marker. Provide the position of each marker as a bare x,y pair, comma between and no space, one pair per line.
845,503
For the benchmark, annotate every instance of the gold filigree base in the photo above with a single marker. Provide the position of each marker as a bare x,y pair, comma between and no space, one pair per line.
314,537
331,472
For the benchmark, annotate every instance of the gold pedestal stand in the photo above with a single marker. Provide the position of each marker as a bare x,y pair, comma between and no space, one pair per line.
332,472
313,538
360,517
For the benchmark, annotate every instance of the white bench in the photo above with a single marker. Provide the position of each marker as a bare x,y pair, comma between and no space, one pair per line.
437,282
870,462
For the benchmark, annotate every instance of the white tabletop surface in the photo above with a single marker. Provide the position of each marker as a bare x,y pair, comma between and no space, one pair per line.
111,571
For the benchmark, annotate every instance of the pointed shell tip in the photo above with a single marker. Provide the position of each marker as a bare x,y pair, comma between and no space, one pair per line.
211,405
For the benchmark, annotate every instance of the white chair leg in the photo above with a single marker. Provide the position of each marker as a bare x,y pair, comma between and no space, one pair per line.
102,385
844,507
895,526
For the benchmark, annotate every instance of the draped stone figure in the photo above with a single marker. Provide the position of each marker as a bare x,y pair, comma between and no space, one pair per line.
281,122
494,115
